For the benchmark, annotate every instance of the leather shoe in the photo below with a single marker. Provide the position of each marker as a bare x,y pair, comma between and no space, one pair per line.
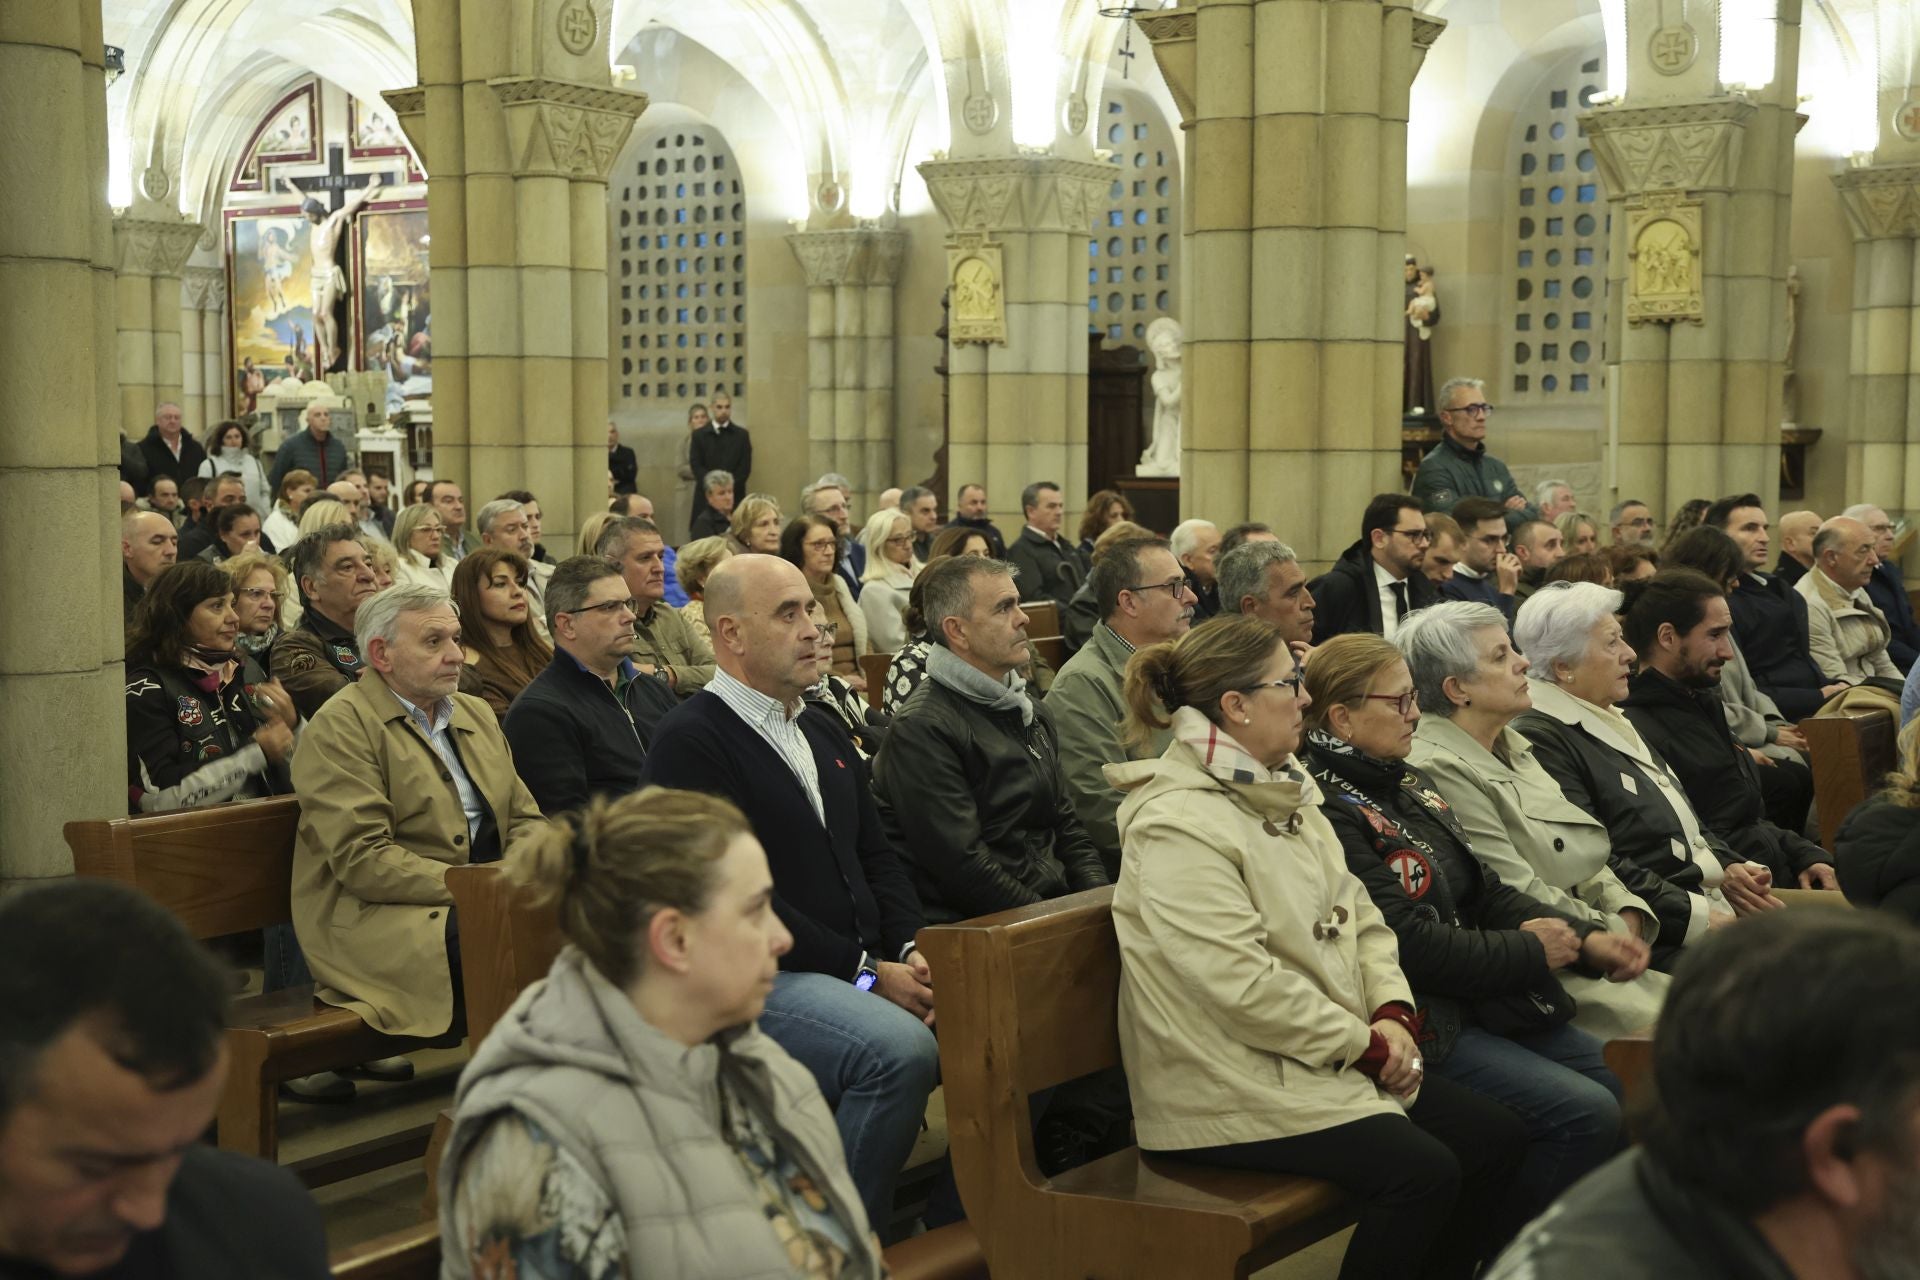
321,1087
394,1070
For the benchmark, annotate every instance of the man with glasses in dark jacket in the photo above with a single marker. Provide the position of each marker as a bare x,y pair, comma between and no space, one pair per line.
1460,466
1377,581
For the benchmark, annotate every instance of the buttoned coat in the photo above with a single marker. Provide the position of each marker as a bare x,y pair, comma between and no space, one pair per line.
1251,959
380,823
1847,634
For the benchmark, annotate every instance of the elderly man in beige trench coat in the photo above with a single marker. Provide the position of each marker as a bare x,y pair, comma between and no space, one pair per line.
399,778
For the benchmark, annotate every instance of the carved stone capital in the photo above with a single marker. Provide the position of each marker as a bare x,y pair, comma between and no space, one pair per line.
1019,193
1174,34
1425,31
1690,146
151,247
409,108
204,288
1882,201
854,255
561,127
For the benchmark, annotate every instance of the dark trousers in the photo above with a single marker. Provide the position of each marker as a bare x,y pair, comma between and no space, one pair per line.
1430,1190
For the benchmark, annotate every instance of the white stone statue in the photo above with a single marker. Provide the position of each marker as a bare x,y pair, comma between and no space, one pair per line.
1162,457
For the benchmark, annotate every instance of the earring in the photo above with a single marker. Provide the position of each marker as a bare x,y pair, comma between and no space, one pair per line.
1246,719
1467,703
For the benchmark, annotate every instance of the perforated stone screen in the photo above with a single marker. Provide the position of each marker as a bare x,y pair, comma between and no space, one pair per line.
680,296
1134,273
1556,244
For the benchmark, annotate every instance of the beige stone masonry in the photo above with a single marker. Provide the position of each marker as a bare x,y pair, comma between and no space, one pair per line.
150,254
1883,364
851,275
203,344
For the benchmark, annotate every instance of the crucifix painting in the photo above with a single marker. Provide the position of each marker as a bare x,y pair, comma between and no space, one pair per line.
347,195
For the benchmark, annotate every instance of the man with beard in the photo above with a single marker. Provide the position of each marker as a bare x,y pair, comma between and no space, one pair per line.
1809,1165
1377,581
1679,624
1770,618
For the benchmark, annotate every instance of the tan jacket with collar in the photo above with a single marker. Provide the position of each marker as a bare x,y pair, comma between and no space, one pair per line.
380,823
1846,632
1251,959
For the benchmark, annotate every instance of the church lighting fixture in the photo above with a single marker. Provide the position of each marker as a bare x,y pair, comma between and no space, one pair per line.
1749,36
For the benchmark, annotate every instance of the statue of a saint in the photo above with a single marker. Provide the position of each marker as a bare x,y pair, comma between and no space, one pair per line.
1162,457
329,281
1423,313
1790,388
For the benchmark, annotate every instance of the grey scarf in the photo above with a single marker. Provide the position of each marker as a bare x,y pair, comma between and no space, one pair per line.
975,685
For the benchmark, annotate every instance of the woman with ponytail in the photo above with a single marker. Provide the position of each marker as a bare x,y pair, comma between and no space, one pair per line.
627,1116
1264,1020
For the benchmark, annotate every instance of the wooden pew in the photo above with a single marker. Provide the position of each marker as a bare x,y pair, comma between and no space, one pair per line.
411,1253
1630,1058
228,869
1043,617
506,945
1029,1000
874,667
1850,753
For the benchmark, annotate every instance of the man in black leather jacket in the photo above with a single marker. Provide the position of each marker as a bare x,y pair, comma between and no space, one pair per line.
969,780
1809,1167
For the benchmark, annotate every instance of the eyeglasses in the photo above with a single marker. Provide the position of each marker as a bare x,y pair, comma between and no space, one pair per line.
608,607
1402,702
261,593
1481,410
1293,682
1415,536
1172,586
900,541
828,630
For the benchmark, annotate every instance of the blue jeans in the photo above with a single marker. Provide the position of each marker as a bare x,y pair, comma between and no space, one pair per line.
1558,1084
875,1062
285,963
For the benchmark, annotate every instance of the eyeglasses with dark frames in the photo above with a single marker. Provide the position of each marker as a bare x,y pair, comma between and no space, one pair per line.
1402,702
1294,682
1480,410
606,606
1415,536
1173,586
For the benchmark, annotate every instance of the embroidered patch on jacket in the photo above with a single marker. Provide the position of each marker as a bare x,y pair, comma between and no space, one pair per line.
140,686
1416,876
301,660
190,712
344,655
1379,822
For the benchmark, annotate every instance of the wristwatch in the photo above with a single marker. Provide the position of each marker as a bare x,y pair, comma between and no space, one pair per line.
868,975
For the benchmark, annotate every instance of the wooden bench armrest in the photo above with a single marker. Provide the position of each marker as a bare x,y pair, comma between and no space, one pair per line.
411,1253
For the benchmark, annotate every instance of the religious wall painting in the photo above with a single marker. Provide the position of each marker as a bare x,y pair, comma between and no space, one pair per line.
979,303
288,134
1664,274
373,131
394,311
269,287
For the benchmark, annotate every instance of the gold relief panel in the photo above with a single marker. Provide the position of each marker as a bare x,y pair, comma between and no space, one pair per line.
978,302
1664,274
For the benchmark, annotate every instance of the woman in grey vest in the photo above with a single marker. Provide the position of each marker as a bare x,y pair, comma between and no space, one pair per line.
627,1116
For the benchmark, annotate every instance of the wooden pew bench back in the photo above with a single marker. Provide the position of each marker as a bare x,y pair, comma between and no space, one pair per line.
1851,753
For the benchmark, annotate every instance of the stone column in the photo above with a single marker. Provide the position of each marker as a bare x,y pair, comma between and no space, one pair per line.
203,300
1883,364
518,125
850,278
1699,181
1018,229
61,701
152,251
1296,119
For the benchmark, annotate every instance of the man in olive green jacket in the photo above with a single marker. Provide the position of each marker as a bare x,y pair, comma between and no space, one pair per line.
1460,466
1144,599
399,778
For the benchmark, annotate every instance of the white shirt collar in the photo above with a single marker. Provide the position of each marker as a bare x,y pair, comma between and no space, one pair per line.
748,700
1382,577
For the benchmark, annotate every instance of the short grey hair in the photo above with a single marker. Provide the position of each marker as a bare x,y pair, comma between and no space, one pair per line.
716,480
1242,572
833,479
618,531
1451,385
380,615
483,522
913,494
572,579
808,494
948,590
1437,643
1543,492
1556,624
308,557
1858,511
1620,509
1186,536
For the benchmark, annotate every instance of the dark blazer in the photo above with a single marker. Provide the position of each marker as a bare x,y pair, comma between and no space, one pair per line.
1346,599
730,451
1652,853
707,523
573,738
1481,590
1789,570
1770,625
231,1215
197,536
979,804
839,888
1688,728
1048,570
625,468
160,460
1888,591
1876,855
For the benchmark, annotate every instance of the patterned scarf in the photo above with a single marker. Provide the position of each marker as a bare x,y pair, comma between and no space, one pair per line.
1225,758
967,680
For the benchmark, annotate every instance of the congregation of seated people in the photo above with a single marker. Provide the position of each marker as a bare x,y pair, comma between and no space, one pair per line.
1393,850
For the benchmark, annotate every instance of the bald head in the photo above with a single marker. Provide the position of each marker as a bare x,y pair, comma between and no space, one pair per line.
348,492
756,606
1843,550
1796,535
148,544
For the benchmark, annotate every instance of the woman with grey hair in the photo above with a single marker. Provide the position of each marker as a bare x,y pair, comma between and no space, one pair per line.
1581,663
1471,683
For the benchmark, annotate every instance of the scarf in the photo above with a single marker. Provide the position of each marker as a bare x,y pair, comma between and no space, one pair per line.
214,668
975,685
1223,757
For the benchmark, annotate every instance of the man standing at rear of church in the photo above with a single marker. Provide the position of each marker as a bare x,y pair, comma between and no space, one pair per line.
721,445
316,449
168,451
1460,466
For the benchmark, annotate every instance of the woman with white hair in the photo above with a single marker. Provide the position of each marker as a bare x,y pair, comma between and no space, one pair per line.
1471,683
884,583
1581,664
